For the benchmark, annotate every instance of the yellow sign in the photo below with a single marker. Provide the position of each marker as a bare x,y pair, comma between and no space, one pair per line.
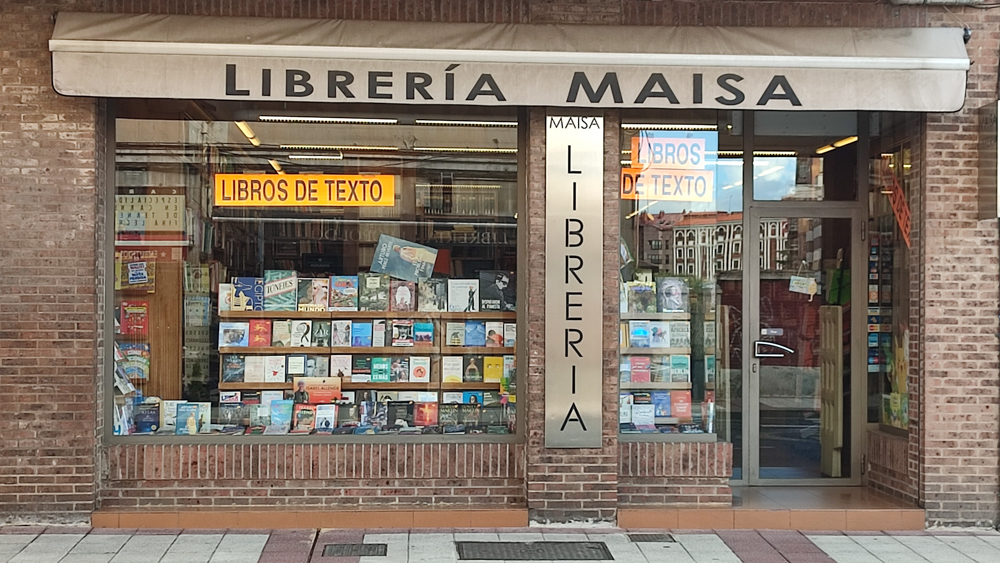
304,190
667,185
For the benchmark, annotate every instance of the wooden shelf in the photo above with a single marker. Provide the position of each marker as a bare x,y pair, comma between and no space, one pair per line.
710,386
489,386
655,316
276,350
654,385
386,350
342,315
478,350
374,350
653,351
666,420
239,386
392,386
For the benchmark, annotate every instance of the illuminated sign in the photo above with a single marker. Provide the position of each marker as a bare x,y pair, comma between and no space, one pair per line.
671,166
304,190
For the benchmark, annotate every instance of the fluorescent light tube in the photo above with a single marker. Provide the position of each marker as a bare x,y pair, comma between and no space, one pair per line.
319,119
248,133
464,123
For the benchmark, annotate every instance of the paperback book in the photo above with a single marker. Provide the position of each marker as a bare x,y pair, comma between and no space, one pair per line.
295,364
234,334
326,418
402,296
373,292
274,369
379,333
340,365
303,419
135,360
340,333
281,333
492,369
402,332
260,333
343,293
254,369
233,366
680,334
432,295
680,368
361,334
451,369
672,295
638,334
403,259
659,334
381,372
509,334
455,334
301,333
399,369
475,333
420,369
423,333
494,334
473,369
248,294
321,333
641,297
463,296
497,291
280,290
134,317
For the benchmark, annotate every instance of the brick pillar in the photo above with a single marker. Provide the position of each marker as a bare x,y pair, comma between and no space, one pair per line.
567,485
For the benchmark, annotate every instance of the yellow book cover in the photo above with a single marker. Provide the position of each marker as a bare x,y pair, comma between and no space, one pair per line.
492,369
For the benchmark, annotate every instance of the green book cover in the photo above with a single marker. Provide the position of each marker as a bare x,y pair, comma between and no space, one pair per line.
381,372
280,290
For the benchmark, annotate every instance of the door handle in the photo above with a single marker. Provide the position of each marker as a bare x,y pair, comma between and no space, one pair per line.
758,353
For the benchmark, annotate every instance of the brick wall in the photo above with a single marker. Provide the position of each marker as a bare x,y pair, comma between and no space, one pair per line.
278,475
48,303
675,473
888,464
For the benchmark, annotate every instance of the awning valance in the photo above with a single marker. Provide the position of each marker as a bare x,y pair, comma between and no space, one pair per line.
194,57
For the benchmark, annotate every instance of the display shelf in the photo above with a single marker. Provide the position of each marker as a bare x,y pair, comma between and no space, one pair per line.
481,315
710,351
655,316
242,385
385,350
275,350
667,420
470,386
486,351
710,386
390,386
637,351
627,386
672,437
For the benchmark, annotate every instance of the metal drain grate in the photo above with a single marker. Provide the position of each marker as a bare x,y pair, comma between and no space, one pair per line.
651,538
354,550
534,551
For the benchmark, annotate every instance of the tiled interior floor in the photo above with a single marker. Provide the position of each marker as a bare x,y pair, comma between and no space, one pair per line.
814,498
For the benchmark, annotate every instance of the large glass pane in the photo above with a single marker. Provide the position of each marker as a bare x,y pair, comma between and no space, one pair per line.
285,272
804,347
681,275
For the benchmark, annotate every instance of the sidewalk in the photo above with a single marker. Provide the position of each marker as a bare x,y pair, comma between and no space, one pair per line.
22,544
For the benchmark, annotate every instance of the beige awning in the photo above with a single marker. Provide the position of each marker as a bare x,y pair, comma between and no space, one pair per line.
194,57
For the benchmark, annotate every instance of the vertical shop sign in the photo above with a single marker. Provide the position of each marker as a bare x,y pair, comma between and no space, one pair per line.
574,228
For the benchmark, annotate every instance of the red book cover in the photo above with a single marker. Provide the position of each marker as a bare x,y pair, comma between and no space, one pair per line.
425,414
680,404
134,317
260,332
640,369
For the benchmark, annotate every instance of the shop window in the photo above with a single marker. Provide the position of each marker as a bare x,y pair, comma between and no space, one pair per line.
338,274
675,376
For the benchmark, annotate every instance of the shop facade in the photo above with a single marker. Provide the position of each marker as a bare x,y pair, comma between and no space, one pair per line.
751,256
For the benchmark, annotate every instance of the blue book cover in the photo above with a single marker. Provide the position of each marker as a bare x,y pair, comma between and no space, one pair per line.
474,397
234,334
187,419
281,413
475,333
147,417
403,260
361,334
248,294
661,403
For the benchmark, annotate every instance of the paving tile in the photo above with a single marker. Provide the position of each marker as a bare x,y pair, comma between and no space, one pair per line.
888,550
470,536
233,543
144,549
842,549
100,544
974,548
88,558
934,549
520,536
47,548
195,543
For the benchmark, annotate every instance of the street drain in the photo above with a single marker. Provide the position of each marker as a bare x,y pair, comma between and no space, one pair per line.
354,550
534,551
651,538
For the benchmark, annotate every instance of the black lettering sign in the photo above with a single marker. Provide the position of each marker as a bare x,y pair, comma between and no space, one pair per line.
771,92
724,81
374,83
656,80
231,89
338,81
297,84
610,82
573,415
417,82
486,86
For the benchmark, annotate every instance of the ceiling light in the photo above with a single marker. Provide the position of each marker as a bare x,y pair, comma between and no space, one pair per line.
277,166
670,127
626,162
248,133
461,123
466,149
825,149
758,153
316,156
462,186
845,141
317,119
338,148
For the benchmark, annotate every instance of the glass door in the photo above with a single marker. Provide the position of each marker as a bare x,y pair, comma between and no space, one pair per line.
802,374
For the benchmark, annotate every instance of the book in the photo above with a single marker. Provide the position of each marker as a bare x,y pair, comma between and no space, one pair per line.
497,291
378,333
254,369
295,364
638,334
229,397
709,339
303,419
135,360
204,417
248,294
281,417
134,317
492,369
326,418
463,296
469,413
135,270
423,333
343,293
491,399
400,413
301,333
472,370
402,295
472,397
399,369
659,369
672,295
281,333
641,297
455,334
710,369
233,366
321,333
420,369
225,297
432,295
373,292
509,371
509,334
340,365
186,419
260,332
146,417
661,403
448,414
274,369
659,334
402,332
680,334
680,404
403,259
624,369
680,368
361,369
230,414
316,390
280,290
268,397
340,333
451,369
234,334
317,366
640,369
425,414
452,397
475,333
494,334
643,416
361,334
381,370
